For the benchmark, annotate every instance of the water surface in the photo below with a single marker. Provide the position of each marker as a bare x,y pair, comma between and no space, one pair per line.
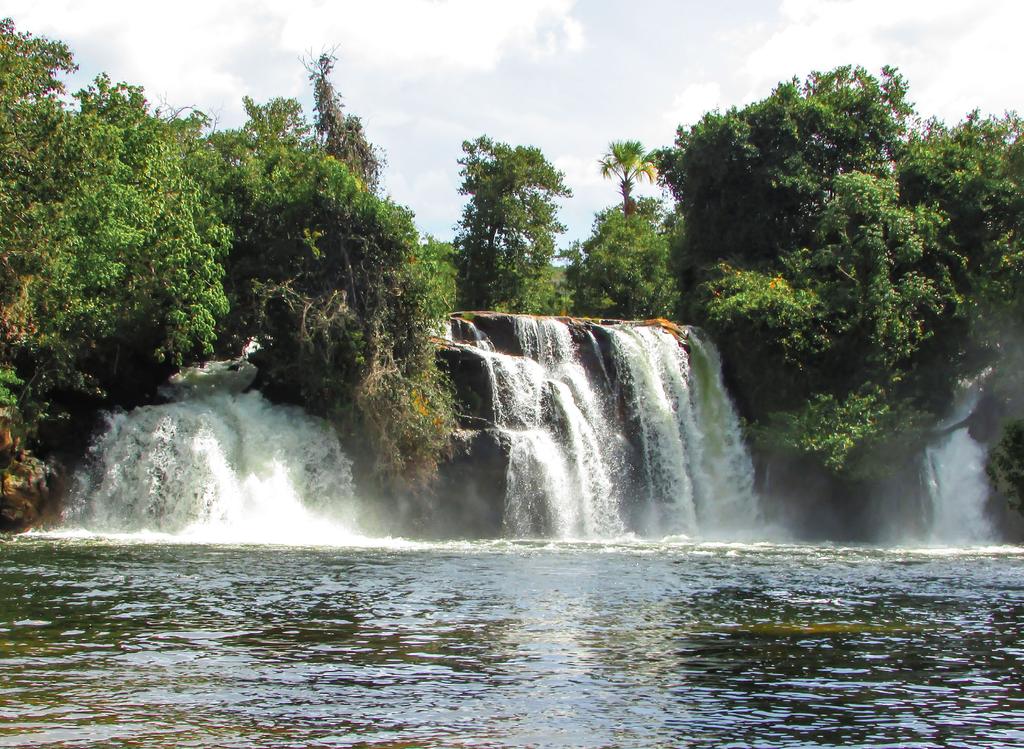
500,644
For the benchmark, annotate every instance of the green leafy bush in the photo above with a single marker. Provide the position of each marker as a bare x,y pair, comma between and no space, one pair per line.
622,270
1005,465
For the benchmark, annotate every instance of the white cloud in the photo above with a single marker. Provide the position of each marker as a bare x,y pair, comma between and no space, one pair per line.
956,56
693,102
419,36
580,171
211,53
574,38
433,193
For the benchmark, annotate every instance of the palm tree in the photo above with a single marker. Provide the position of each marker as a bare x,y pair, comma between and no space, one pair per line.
628,162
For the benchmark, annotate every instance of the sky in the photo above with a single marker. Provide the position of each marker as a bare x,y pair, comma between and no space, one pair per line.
568,76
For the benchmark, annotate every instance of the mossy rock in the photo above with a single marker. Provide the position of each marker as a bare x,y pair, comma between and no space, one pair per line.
24,493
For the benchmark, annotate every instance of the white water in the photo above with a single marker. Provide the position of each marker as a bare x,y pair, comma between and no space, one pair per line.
647,444
217,465
559,479
656,371
725,468
569,473
958,490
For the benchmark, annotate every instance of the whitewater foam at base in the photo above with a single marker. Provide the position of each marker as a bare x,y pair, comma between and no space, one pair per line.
217,466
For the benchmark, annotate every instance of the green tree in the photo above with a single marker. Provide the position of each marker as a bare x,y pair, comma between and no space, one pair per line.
838,253
338,288
505,241
1005,466
111,267
751,182
629,163
131,282
30,112
972,175
341,135
143,264
622,270
433,264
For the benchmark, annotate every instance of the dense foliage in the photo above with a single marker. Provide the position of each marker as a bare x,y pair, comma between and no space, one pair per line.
505,241
752,182
1006,464
848,260
132,243
622,270
109,256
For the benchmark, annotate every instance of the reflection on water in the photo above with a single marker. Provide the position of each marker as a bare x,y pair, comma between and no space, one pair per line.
508,644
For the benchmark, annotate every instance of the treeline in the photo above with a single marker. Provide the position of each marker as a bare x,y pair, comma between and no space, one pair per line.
854,262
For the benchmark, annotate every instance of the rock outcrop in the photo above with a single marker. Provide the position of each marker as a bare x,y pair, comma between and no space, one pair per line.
26,487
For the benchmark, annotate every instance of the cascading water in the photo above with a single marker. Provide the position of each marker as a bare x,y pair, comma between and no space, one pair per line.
608,430
559,476
957,487
699,473
657,376
726,470
217,464
654,448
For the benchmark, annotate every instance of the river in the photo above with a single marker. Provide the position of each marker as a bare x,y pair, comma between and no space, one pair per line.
142,642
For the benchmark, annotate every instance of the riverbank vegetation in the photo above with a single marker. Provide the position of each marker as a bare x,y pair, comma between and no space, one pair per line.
855,262
505,242
137,240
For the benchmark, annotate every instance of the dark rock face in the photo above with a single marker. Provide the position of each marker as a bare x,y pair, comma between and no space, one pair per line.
470,493
468,372
499,328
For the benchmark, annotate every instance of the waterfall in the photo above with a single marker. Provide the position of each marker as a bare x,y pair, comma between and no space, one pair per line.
217,464
562,453
644,440
657,375
607,430
955,480
726,469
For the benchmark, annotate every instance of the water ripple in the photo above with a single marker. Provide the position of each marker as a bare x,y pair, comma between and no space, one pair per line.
501,644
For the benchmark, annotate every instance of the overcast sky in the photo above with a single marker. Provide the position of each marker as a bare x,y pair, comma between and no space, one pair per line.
563,75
